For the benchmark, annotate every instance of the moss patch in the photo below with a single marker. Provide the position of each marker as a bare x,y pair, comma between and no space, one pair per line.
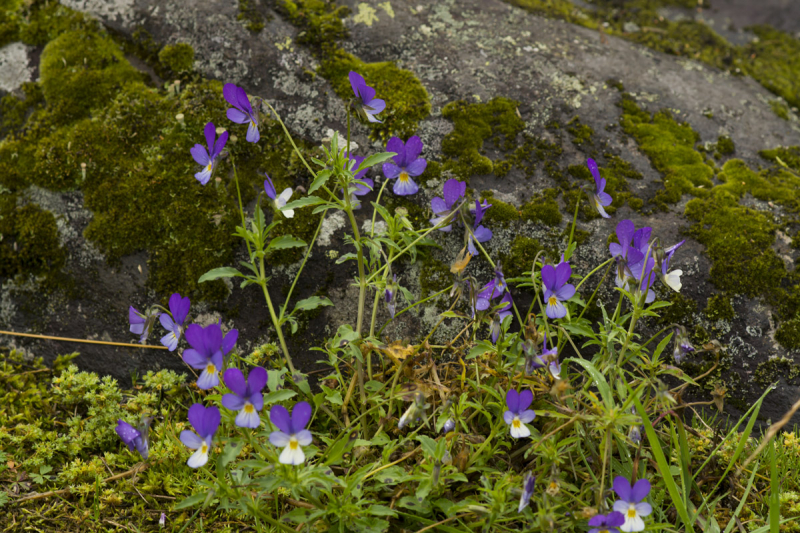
177,57
434,276
780,108
500,212
789,155
543,208
725,145
719,308
774,370
30,243
788,334
520,259
253,20
581,133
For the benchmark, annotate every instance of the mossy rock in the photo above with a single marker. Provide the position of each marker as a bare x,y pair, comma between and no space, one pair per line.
30,244
581,133
520,259
543,208
500,212
719,308
788,334
177,57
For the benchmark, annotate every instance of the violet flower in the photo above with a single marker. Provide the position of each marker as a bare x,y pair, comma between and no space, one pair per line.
548,358
493,289
500,315
643,272
207,352
208,158
279,201
142,323
518,413
205,421
367,106
242,112
449,425
479,232
606,523
527,491
389,295
630,503
623,252
292,433
600,198
453,191
671,279
557,290
135,437
245,396
179,308
407,164
683,345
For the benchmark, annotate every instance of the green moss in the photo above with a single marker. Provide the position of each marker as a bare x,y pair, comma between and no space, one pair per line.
543,207
474,125
777,185
9,21
788,334
681,311
789,155
719,308
775,369
616,84
14,110
581,133
434,276
725,145
670,146
30,243
45,20
520,259
780,108
533,150
321,22
248,14
500,212
177,57
774,61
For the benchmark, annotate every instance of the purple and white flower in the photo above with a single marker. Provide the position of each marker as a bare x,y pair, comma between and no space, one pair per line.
493,289
292,434
527,491
179,308
501,314
242,112
205,421
135,437
548,358
279,201
449,425
406,164
208,158
479,232
600,199
630,503
606,523
362,185
518,413
683,346
245,396
390,295
557,290
142,323
453,191
367,106
671,279
208,351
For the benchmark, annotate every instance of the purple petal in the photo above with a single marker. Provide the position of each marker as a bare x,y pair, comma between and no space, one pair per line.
127,433
623,488
391,171
453,191
643,509
134,316
549,277
396,145
375,106
527,416
253,135
301,414
279,416
182,310
512,400
438,205
525,399
200,154
194,359
232,401
625,230
357,83
220,144
640,490
483,234
234,380
565,293
615,519
211,133
244,101
671,249
605,198
194,336
196,413
190,439
508,417
413,148
593,168
212,338
598,519
239,117
257,399
556,310
405,187
416,167
229,341
174,303
211,420
615,249
563,273
257,379
230,94
269,188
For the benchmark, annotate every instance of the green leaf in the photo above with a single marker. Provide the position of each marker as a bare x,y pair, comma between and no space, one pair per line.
374,159
279,396
231,451
217,273
319,181
285,241
598,379
311,303
303,202
381,510
191,501
428,445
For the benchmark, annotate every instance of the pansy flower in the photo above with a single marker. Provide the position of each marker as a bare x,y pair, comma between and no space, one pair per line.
683,345
548,358
600,199
205,421
292,433
279,201
208,158
606,523
527,491
493,289
389,295
557,290
453,191
207,352
179,308
500,315
142,323
367,106
135,437
245,396
406,165
242,112
671,279
630,503
449,425
623,252
479,232
518,413
643,272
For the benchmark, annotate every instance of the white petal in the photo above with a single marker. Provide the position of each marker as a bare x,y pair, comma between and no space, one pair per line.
304,437
248,420
673,279
289,213
521,432
198,458
632,524
283,197
292,457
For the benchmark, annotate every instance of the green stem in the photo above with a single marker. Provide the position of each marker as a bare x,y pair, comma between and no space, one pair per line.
274,318
574,221
587,276
291,140
375,303
302,265
375,211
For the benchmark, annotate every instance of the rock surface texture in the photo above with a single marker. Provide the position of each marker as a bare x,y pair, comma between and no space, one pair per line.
567,90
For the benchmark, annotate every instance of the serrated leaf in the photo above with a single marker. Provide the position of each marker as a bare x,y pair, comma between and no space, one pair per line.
218,273
311,303
374,159
279,396
319,181
303,202
285,241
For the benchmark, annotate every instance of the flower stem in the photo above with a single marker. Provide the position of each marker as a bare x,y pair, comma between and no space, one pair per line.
302,265
574,221
274,318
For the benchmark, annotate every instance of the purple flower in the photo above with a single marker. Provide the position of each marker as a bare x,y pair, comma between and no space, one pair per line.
205,421
415,411
527,491
366,104
449,425
292,434
630,503
278,201
479,232
241,112
453,191
624,253
359,189
643,272
179,308
635,434
135,437
599,198
389,295
548,358
208,158
500,315
557,290
407,164
356,162
493,289
142,323
683,346
518,413
245,396
671,279
207,352
606,523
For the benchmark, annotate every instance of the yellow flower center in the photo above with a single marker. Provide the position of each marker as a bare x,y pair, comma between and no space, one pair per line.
253,123
293,444
516,422
248,408
404,177
211,369
208,167
632,512
204,448
553,485
552,300
603,531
